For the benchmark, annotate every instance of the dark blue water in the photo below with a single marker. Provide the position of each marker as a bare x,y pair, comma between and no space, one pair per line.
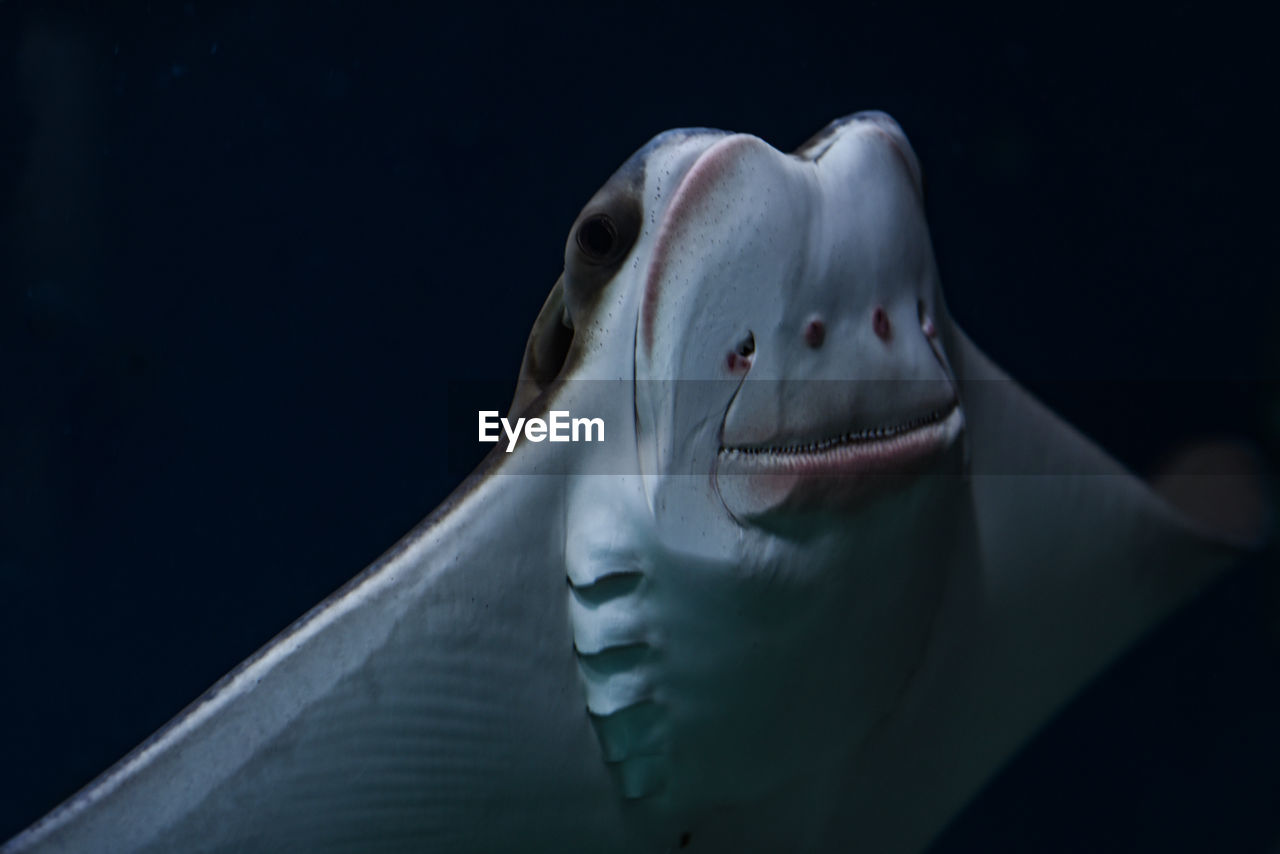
244,253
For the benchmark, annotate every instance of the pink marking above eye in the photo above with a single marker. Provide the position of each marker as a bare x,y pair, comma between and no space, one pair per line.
814,332
880,323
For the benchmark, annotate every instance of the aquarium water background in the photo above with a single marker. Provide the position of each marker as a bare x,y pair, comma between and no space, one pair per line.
246,250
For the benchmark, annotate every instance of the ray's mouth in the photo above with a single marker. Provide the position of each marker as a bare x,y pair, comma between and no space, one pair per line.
851,439
757,481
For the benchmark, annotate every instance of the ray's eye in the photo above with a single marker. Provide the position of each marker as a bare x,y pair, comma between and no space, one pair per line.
746,346
598,238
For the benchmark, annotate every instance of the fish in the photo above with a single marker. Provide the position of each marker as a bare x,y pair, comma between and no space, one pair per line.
823,570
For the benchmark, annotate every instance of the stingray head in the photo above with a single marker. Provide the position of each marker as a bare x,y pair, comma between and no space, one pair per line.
775,324
789,338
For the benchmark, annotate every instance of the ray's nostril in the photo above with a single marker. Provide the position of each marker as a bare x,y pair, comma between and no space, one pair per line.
814,332
880,323
739,358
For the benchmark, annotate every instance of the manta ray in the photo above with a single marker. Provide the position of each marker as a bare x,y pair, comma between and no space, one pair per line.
828,570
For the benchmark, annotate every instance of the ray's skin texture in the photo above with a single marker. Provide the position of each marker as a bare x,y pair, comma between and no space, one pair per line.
830,570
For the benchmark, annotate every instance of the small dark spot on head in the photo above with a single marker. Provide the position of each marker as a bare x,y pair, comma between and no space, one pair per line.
880,323
685,839
814,332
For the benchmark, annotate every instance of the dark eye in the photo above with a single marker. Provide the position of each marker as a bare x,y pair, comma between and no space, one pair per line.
598,238
598,241
747,345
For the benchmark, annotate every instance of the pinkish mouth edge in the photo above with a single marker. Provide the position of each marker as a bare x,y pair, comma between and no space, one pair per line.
880,450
